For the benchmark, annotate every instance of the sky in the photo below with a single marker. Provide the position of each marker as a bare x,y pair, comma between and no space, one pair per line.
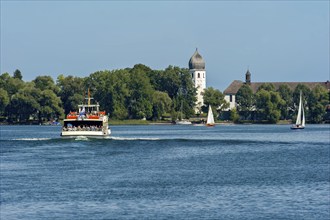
276,40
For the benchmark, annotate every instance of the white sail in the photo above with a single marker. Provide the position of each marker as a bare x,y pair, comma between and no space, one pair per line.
303,115
298,121
210,118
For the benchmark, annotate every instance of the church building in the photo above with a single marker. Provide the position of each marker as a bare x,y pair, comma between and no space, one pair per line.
232,89
198,75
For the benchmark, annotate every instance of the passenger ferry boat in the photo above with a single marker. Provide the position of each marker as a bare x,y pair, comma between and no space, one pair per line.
89,121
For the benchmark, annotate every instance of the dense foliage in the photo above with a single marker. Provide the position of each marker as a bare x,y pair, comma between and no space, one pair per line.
271,105
143,93
216,99
131,93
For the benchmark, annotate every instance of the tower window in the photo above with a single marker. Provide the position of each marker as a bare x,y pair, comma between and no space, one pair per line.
199,75
203,75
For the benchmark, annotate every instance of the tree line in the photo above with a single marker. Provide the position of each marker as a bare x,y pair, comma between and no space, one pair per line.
131,93
271,105
140,92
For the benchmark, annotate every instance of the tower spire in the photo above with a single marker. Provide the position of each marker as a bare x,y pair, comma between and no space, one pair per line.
248,76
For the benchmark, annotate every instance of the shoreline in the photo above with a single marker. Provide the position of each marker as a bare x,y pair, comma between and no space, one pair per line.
145,122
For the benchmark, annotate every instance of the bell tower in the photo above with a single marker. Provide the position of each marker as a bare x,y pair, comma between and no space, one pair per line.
198,75
248,77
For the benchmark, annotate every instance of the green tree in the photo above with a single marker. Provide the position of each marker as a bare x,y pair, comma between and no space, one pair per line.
318,101
215,98
111,90
46,82
140,95
321,94
234,116
119,93
169,81
141,67
71,91
267,104
267,86
18,75
245,101
10,84
50,106
24,104
4,101
288,106
177,83
188,92
161,104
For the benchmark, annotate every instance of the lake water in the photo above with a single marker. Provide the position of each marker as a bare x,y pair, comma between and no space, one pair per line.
166,172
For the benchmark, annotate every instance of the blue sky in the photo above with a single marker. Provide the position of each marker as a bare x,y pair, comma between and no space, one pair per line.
277,41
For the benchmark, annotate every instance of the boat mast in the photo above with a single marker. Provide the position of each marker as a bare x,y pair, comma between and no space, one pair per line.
88,98
303,114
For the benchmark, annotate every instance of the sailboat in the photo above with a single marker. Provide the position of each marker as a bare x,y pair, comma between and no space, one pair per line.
210,118
300,122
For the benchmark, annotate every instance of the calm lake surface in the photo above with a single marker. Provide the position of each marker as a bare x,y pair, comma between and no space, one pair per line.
166,172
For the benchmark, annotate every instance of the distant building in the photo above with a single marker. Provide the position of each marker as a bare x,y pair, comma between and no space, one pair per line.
230,92
198,75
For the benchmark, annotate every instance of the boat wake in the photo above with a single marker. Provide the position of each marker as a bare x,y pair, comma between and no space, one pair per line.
31,139
133,139
81,138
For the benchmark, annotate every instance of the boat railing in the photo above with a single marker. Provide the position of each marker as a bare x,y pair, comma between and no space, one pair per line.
82,128
88,115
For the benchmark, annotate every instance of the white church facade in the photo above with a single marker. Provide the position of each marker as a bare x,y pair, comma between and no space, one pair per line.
198,75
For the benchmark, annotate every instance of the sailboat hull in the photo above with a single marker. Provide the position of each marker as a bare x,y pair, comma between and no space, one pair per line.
294,127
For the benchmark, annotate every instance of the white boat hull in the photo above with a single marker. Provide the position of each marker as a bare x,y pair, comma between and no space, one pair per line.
198,124
183,122
92,134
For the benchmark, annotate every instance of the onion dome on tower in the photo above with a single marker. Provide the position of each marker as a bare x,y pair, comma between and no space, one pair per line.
196,61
